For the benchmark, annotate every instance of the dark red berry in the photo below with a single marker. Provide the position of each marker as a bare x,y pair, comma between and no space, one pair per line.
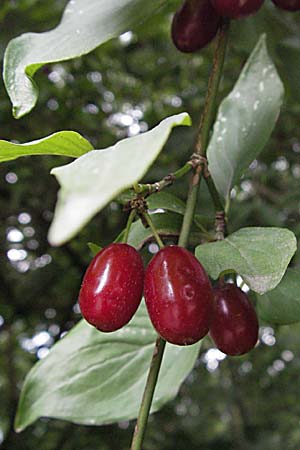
112,287
234,327
236,9
178,296
289,5
194,25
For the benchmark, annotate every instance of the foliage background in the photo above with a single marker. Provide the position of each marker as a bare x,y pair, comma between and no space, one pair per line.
126,86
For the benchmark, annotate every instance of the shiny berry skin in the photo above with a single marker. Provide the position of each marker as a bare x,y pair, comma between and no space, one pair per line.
234,327
178,296
236,9
288,5
112,287
194,25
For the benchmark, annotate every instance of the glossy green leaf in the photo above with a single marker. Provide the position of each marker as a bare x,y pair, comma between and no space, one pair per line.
245,120
282,305
93,180
167,201
259,255
106,371
63,143
84,26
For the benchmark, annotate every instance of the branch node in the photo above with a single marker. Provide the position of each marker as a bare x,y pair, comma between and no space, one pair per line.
199,161
220,225
138,204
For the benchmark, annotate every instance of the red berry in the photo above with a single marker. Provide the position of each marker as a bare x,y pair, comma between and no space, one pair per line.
112,287
236,9
178,296
234,326
289,5
194,25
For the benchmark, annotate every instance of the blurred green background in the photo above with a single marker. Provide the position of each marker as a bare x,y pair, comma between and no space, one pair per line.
125,87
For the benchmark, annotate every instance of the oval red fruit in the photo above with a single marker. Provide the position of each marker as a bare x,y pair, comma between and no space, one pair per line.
194,25
234,327
236,9
112,287
288,5
178,296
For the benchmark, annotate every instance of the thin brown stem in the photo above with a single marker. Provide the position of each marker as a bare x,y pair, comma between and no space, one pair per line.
204,128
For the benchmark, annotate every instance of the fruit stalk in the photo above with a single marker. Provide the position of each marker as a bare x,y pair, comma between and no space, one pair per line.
153,229
205,124
128,225
201,144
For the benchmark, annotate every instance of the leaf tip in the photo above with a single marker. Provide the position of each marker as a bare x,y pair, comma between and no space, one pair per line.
16,112
19,426
19,111
53,238
94,248
186,119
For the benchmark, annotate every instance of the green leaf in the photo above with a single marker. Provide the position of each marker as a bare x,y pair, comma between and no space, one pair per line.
84,26
94,179
282,305
259,255
167,201
245,120
94,248
63,143
106,371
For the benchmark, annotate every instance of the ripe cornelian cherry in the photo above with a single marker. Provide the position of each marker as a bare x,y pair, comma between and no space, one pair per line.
236,9
289,5
234,327
194,25
112,287
178,296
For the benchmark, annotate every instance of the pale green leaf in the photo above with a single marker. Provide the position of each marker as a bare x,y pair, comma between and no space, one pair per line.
84,26
245,120
94,179
259,255
281,306
95,378
63,143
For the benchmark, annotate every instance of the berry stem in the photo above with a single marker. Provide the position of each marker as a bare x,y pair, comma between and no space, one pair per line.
153,229
128,225
200,147
205,124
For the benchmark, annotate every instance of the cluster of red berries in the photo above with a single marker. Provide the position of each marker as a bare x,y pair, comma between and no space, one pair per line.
181,302
197,21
